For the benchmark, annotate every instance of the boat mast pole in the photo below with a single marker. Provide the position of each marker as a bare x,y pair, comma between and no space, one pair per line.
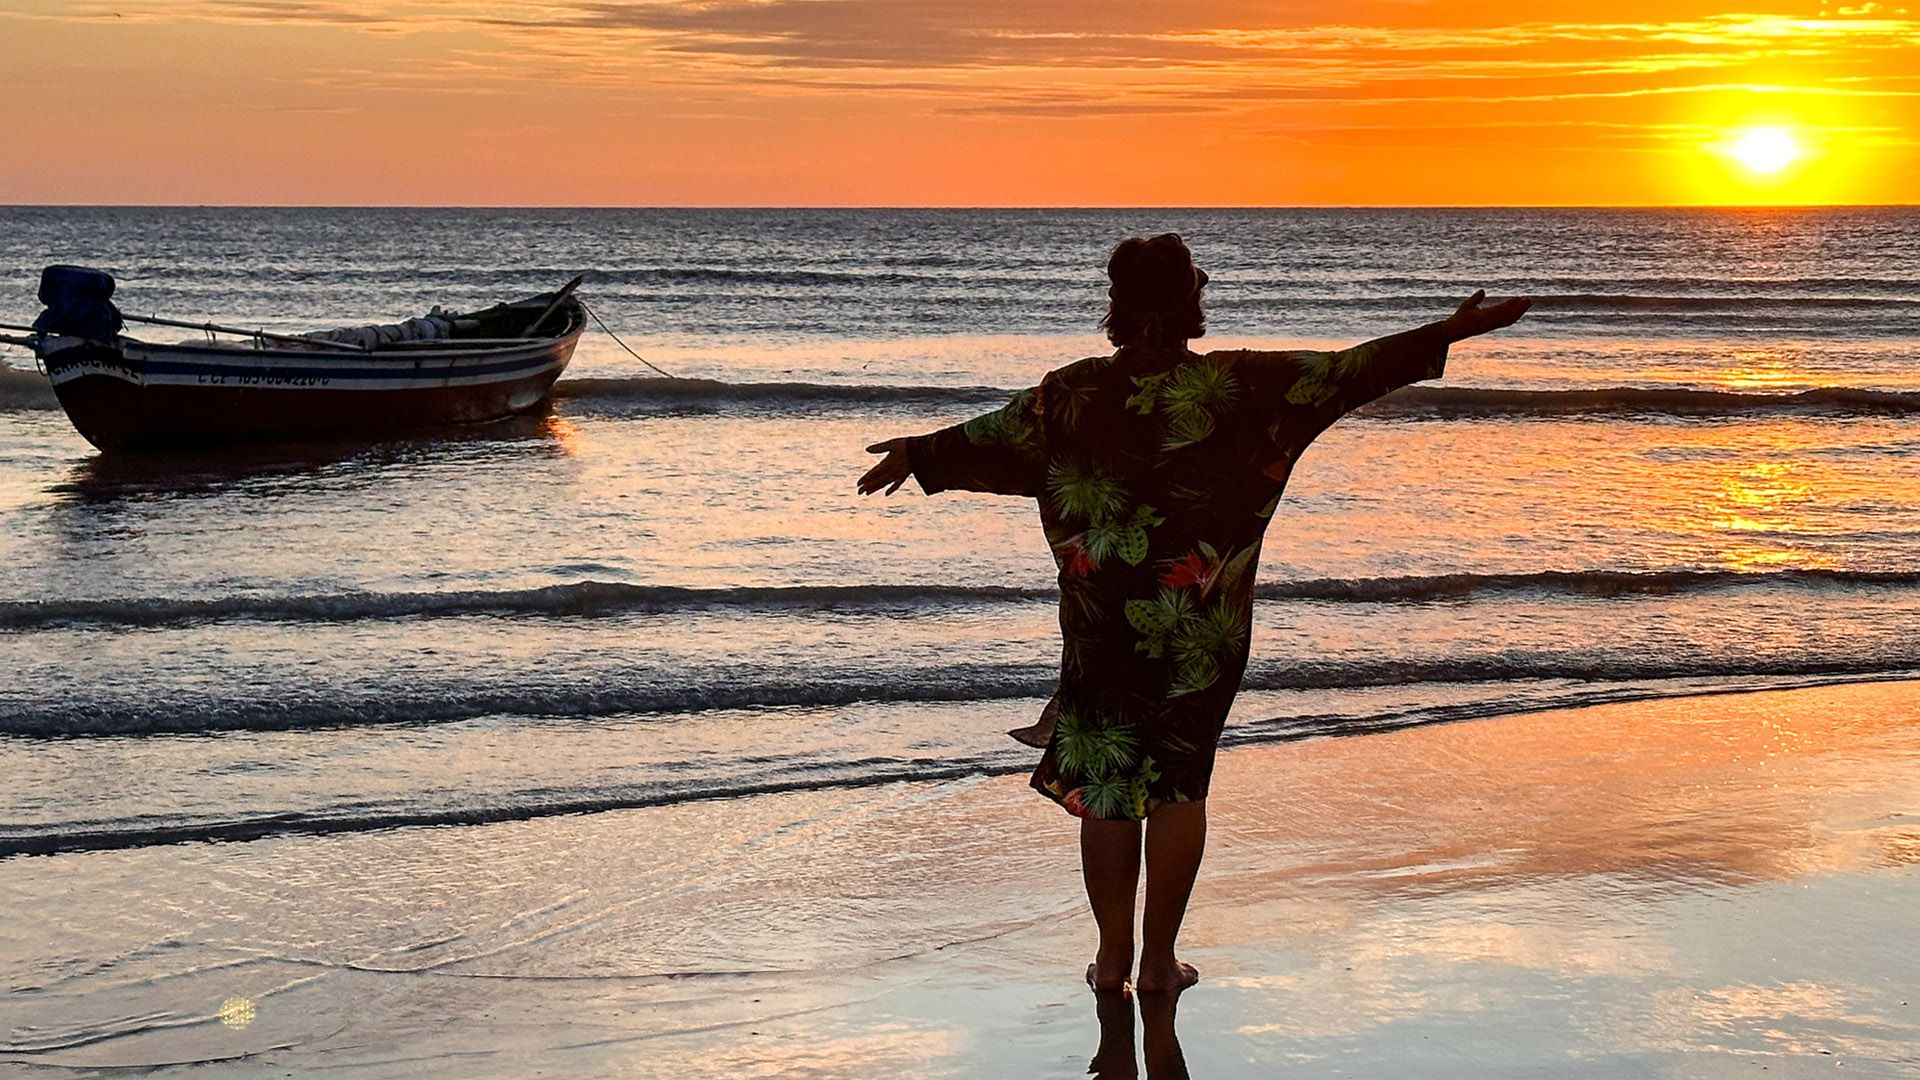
558,299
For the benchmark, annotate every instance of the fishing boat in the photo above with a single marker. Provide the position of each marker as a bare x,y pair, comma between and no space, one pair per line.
439,369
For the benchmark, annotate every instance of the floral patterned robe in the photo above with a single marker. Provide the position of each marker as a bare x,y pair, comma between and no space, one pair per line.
1156,471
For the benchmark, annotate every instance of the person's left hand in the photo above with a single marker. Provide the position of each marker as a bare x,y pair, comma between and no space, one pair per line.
892,471
1473,318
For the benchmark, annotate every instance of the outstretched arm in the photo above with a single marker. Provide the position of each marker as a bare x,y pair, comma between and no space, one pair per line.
1333,384
998,452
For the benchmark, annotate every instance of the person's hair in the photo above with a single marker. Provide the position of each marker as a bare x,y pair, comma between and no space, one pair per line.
1155,296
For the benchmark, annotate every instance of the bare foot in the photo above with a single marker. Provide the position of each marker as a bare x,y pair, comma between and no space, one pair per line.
1171,976
1106,980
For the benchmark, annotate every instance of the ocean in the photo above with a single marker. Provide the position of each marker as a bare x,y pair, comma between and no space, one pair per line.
1689,470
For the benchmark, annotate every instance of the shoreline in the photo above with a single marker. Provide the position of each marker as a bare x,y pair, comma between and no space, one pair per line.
1688,885
1240,734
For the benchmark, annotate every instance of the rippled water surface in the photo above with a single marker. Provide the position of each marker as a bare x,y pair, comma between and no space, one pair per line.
1690,468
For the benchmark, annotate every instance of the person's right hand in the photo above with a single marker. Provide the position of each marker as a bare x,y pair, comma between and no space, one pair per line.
892,471
1472,318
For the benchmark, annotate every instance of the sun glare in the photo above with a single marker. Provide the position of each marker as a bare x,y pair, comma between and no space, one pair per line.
1766,150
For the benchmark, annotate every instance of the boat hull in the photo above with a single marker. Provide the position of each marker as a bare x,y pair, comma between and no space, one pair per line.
133,396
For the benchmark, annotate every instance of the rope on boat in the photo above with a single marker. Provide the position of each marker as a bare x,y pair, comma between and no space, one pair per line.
622,344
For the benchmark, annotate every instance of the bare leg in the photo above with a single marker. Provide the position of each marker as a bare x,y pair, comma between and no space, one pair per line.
1176,839
1110,863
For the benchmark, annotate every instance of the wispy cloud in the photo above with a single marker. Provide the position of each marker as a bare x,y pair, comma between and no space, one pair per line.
1066,58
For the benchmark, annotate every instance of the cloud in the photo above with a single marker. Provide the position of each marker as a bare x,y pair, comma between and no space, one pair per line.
1067,58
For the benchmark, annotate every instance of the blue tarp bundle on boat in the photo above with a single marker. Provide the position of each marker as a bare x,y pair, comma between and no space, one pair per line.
79,303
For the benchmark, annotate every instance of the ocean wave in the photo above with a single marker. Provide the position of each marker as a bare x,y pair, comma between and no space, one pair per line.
1449,402
99,836
713,391
643,694
600,599
583,598
1577,583
1720,303
1412,401
1691,310
55,837
920,273
631,693
1647,285
25,390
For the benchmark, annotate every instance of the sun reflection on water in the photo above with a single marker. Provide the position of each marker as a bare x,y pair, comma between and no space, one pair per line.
565,435
1762,497
1763,369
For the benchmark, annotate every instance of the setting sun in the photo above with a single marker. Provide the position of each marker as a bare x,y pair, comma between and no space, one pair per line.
1766,150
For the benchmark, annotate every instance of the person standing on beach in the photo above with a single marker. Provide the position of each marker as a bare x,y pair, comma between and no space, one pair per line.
1156,470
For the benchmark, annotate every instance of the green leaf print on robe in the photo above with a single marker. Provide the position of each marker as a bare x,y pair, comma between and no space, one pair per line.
1176,624
1325,376
1085,493
1101,759
1157,619
1180,623
1187,397
1198,644
1010,425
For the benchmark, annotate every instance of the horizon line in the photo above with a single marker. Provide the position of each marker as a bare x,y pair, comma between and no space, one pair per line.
960,206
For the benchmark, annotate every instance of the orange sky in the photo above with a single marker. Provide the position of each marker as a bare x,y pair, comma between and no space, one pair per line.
942,102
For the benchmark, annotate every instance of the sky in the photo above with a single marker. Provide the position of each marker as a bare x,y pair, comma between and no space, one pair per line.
943,102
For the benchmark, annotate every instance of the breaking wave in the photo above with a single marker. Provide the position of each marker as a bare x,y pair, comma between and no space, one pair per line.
713,391
865,772
1466,401
1630,302
27,390
1577,583
585,598
1414,401
599,599
641,693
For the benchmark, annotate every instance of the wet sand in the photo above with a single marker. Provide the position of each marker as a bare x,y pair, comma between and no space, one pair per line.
1714,886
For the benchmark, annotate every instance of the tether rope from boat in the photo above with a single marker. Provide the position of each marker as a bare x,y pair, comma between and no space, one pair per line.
622,344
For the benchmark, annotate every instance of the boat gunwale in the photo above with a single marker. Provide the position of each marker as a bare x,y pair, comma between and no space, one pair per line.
443,348
140,350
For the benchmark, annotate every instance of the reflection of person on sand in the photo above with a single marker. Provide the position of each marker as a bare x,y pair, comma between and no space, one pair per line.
1115,1059
1156,470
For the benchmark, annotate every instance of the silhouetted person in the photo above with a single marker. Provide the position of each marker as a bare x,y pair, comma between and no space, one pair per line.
1156,470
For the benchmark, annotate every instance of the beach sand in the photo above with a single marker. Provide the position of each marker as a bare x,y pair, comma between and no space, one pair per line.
1701,887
